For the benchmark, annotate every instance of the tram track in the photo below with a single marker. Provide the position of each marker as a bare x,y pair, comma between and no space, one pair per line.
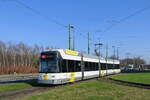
15,95
127,83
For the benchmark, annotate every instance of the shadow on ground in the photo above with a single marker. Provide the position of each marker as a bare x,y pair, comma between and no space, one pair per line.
134,71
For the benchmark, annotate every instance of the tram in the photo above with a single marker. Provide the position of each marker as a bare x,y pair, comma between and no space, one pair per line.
63,66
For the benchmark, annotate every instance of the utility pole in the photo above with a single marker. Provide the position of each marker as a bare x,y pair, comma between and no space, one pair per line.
88,43
99,56
73,41
117,53
82,66
127,57
106,58
70,36
114,56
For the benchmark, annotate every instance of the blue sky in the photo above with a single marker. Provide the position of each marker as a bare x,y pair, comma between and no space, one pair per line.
18,23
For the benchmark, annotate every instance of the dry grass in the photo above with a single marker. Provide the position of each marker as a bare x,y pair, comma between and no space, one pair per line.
18,69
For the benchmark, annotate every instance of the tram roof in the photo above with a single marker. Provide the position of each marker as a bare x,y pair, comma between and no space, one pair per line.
72,53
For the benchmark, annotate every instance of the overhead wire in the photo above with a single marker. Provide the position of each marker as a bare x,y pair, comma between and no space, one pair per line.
45,16
62,25
48,18
39,13
126,18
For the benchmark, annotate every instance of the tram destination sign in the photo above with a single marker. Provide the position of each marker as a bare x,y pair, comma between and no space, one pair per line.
71,52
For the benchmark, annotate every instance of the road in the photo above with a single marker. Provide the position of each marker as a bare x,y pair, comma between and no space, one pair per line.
4,79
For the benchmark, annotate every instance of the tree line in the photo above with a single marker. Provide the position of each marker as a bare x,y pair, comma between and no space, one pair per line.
19,58
136,62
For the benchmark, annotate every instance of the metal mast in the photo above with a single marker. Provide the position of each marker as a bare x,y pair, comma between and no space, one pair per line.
88,43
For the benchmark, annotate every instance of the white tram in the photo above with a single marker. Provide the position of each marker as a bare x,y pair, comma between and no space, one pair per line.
62,66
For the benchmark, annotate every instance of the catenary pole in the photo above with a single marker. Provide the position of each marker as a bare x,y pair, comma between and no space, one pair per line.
88,43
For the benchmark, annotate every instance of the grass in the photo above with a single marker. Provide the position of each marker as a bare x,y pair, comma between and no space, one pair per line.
93,90
134,77
15,86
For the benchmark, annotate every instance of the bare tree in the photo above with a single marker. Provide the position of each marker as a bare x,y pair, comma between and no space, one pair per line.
18,57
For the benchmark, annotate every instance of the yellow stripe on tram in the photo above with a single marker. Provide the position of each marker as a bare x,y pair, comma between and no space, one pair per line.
72,79
45,77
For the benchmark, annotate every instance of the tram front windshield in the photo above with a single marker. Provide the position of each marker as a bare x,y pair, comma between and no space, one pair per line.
49,62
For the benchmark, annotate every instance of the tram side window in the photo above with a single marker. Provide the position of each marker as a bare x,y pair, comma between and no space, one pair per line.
90,66
97,67
71,66
103,66
64,66
117,66
113,66
78,66
94,66
86,64
110,66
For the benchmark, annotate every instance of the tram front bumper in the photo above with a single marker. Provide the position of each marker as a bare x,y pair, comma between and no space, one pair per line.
49,81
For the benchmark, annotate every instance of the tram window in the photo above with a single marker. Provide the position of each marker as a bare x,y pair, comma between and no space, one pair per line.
70,66
74,64
90,66
103,66
108,66
60,66
111,66
64,66
86,66
78,66
114,66
94,67
117,66
97,67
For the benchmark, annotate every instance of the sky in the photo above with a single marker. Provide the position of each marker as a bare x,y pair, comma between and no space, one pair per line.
120,23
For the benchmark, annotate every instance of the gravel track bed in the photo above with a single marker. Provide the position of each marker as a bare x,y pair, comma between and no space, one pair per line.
127,83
